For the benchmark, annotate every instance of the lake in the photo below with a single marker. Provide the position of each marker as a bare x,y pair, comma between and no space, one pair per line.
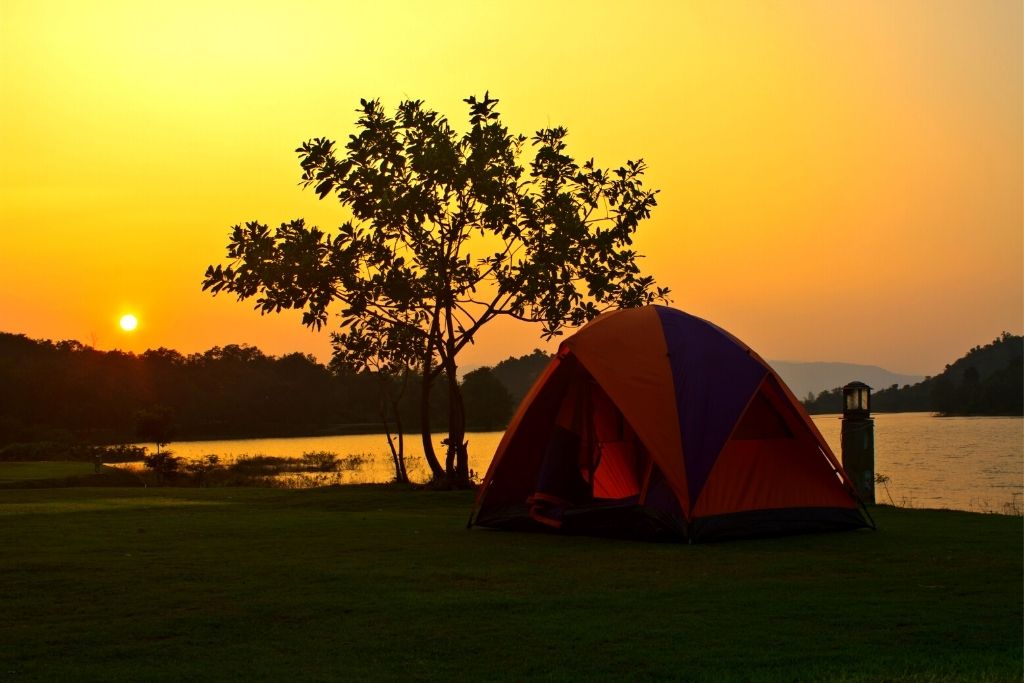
963,463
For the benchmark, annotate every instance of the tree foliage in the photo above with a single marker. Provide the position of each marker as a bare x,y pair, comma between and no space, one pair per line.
518,374
390,354
448,232
65,391
488,402
988,380
156,424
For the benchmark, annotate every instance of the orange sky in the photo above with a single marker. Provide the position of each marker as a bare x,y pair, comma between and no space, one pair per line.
840,180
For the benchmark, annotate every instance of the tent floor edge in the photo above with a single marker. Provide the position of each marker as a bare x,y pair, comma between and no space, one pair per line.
776,522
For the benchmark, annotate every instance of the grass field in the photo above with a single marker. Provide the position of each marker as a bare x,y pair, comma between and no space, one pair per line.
11,472
383,584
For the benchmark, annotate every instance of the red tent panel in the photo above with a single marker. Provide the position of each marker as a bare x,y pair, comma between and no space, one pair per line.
771,461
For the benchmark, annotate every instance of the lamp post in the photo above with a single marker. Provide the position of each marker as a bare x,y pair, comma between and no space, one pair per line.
859,439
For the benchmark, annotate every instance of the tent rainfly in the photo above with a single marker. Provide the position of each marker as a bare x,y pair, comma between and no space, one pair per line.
653,423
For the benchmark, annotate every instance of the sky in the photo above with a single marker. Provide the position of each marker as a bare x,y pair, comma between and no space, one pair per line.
839,181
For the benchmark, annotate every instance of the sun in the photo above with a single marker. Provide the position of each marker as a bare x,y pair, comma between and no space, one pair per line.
129,322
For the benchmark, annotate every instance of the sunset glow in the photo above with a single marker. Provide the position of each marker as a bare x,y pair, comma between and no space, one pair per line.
839,181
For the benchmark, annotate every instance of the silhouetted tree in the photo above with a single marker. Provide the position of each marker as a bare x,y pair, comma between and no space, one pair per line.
519,374
155,424
970,390
448,233
164,465
390,353
986,381
828,401
488,403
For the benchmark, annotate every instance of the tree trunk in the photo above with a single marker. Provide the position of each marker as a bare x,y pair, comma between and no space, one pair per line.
396,453
462,452
436,471
457,459
400,472
389,401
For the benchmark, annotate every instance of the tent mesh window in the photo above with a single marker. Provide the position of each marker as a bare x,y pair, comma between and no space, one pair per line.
761,421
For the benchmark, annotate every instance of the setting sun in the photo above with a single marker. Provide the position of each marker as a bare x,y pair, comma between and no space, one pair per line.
129,322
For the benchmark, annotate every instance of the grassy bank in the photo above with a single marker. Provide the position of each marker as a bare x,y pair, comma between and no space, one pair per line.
317,468
15,472
377,583
63,474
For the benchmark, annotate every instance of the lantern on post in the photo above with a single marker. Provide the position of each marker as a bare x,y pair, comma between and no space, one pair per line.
858,439
856,400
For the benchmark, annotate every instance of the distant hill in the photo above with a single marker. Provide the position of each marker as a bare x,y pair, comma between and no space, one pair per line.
988,380
519,373
813,378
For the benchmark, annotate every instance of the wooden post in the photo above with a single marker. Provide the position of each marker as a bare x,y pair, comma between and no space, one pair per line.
858,440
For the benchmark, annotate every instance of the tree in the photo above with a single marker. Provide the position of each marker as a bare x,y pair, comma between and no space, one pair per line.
447,233
164,465
488,403
390,353
519,374
155,424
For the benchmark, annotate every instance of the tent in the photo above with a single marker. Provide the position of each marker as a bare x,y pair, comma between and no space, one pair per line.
653,423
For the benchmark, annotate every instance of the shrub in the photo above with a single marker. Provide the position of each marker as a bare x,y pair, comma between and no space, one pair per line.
164,465
320,461
199,469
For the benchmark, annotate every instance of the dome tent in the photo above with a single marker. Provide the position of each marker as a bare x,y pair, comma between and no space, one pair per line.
653,423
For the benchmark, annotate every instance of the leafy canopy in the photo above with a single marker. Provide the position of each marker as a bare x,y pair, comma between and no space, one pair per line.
446,232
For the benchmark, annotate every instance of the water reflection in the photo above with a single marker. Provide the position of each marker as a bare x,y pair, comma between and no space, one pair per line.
966,463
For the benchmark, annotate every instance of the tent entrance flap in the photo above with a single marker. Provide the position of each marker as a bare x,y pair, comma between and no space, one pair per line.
592,474
593,453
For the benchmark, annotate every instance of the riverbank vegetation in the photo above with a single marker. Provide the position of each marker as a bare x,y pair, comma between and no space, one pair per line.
988,380
66,392
377,583
62,398
164,469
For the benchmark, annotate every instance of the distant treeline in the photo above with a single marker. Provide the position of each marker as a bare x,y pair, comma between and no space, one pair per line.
989,380
66,391
518,374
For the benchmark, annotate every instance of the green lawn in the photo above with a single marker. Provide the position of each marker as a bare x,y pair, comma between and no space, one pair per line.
376,583
29,471
45,474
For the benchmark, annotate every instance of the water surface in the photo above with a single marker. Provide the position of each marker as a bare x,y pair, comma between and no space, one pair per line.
964,463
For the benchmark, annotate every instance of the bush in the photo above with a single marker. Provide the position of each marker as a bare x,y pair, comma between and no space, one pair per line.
199,469
320,461
260,465
164,465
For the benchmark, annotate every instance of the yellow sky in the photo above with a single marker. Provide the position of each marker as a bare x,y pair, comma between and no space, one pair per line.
840,180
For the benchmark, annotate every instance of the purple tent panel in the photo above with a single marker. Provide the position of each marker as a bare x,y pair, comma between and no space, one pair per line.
714,378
